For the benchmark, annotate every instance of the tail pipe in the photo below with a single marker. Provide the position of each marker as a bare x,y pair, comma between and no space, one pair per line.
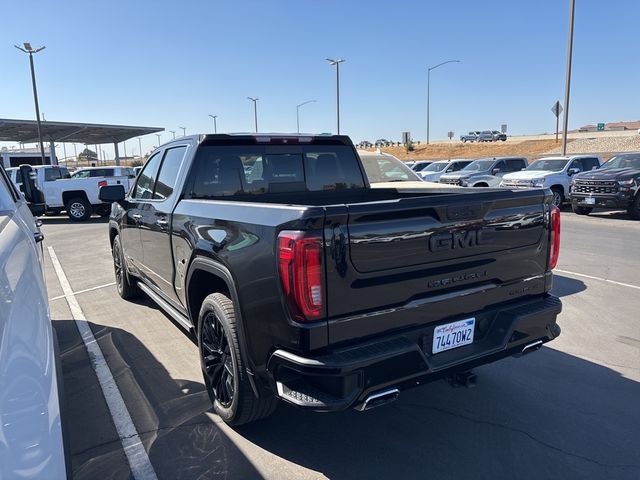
378,399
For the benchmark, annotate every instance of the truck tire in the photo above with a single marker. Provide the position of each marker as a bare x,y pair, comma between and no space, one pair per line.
634,209
581,210
126,288
558,197
464,140
79,209
223,368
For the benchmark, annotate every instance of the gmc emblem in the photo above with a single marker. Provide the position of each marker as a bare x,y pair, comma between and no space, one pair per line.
441,242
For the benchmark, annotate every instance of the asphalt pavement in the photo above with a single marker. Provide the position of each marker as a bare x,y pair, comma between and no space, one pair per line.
567,411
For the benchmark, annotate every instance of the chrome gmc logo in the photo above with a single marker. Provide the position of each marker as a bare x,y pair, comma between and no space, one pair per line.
441,242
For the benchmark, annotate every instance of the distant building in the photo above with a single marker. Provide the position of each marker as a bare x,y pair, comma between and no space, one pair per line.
19,156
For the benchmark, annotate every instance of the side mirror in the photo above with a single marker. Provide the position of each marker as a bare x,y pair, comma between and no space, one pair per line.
111,193
495,171
573,171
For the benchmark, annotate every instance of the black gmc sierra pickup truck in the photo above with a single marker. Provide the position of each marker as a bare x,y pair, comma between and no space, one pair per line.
303,284
613,186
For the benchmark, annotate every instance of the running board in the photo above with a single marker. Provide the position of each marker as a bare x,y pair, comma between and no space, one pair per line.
172,312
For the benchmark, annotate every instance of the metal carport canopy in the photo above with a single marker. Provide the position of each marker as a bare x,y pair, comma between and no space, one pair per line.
26,131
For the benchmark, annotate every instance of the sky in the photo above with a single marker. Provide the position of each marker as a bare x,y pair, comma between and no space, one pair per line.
171,64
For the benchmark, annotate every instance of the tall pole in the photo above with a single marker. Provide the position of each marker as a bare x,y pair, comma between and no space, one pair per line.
567,85
140,146
28,49
429,90
173,132
215,126
337,62
255,110
298,112
158,135
184,131
75,152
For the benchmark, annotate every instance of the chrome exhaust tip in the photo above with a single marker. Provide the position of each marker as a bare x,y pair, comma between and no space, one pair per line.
531,347
378,399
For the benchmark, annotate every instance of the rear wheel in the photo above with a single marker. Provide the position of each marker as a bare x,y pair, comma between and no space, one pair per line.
634,209
581,210
223,367
558,197
79,209
126,288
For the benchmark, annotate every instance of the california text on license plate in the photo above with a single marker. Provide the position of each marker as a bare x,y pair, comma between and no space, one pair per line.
453,335
590,201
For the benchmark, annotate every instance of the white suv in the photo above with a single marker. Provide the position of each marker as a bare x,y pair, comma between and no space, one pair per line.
552,172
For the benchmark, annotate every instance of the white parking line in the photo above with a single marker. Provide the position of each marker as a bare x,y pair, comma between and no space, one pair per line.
84,291
137,457
637,287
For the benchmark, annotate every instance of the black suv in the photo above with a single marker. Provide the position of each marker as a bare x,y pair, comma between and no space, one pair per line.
614,186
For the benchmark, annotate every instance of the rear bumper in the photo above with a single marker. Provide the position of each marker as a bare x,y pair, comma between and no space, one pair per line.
621,200
344,378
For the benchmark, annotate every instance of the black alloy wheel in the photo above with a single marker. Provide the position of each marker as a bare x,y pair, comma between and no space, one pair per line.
217,360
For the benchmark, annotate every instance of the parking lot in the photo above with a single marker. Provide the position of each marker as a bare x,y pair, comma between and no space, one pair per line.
568,411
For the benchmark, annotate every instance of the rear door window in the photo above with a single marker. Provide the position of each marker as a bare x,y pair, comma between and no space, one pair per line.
169,173
516,164
51,174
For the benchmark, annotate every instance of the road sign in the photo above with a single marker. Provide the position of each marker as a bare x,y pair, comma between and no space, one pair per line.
406,138
450,135
556,109
601,127
503,128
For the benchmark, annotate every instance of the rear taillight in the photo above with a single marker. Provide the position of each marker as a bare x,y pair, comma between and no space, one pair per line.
554,237
102,183
301,274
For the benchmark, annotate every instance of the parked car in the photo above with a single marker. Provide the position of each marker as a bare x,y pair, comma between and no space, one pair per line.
136,171
77,196
486,136
31,434
615,185
552,172
420,165
486,172
499,136
383,170
470,137
92,172
302,284
433,172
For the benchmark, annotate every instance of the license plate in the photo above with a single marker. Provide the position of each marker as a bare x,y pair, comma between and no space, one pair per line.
453,335
590,201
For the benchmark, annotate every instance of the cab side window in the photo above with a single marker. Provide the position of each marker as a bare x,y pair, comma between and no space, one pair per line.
577,163
501,166
516,164
169,173
147,179
589,164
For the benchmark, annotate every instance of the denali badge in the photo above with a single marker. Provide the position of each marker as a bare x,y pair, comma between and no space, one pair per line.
441,242
443,282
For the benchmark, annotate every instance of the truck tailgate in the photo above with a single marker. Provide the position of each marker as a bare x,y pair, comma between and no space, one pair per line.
413,261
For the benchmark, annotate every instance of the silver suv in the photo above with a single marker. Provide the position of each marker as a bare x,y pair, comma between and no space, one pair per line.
486,172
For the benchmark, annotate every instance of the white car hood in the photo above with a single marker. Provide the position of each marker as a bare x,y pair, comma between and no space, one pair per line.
528,175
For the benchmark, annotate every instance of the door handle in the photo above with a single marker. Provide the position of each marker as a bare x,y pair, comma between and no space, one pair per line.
162,223
136,216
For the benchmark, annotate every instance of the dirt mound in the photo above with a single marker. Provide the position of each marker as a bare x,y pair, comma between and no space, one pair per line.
443,151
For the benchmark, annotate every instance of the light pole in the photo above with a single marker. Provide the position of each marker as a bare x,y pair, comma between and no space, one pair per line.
298,112
567,84
28,49
140,146
215,126
173,132
75,152
428,89
255,110
184,131
158,135
337,62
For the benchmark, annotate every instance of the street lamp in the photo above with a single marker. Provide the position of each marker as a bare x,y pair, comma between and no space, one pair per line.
140,146
28,49
428,88
567,84
173,132
337,62
184,131
158,135
215,126
255,110
298,112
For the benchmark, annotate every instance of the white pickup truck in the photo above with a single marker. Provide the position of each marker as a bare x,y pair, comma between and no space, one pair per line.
77,194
